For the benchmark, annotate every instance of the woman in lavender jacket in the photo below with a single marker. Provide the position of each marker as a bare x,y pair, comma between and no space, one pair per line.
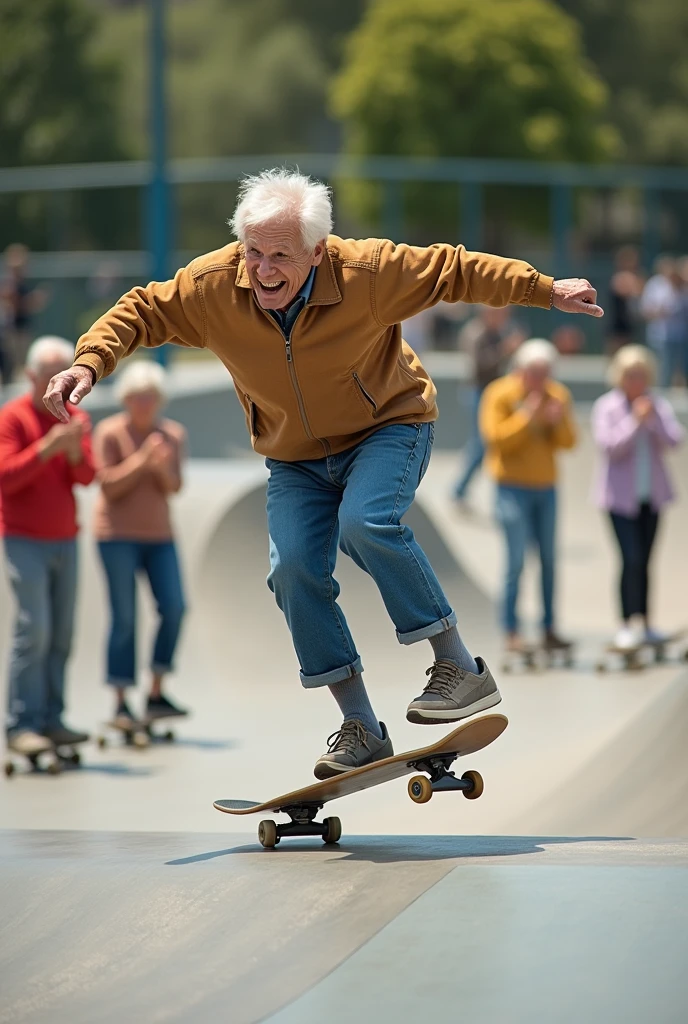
633,428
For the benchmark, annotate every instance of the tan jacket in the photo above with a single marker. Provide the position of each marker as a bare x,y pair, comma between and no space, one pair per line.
346,371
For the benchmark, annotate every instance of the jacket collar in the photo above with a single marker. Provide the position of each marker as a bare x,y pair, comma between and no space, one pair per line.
325,289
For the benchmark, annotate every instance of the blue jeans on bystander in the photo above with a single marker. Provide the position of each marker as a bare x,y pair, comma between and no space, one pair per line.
527,516
42,574
123,560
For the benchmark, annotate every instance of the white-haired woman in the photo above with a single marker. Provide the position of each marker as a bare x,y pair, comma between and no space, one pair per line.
138,458
525,418
633,430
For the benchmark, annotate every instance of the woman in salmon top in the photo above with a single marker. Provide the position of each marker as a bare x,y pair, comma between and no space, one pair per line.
138,458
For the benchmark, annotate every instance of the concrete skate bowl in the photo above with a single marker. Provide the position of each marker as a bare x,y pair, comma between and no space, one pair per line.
583,754
233,600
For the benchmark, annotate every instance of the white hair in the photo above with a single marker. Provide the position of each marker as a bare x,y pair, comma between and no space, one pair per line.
632,357
140,376
537,350
282,195
48,349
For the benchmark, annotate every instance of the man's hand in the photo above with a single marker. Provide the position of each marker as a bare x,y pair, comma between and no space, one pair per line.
63,437
533,403
576,295
68,386
643,408
553,412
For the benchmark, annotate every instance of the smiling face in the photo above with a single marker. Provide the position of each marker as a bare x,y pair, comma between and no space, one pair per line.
278,263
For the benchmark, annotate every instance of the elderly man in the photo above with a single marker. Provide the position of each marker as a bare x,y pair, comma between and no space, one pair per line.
525,418
41,460
308,326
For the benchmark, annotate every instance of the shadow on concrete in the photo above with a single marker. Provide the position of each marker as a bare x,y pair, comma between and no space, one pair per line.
391,849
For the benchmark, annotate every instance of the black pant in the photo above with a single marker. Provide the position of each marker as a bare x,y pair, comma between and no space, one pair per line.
635,535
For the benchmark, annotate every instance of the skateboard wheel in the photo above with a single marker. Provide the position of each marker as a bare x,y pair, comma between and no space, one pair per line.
168,736
9,769
74,758
478,785
54,768
102,742
267,834
139,739
420,789
333,830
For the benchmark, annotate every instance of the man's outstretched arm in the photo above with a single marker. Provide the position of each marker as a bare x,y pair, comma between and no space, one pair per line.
167,311
409,278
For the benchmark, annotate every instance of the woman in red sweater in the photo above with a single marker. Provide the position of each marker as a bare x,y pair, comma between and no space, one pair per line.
41,460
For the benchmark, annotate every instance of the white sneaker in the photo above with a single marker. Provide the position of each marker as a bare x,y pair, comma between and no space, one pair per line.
627,638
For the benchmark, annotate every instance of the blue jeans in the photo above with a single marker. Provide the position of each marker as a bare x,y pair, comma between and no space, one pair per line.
474,449
528,516
673,355
122,560
43,577
355,500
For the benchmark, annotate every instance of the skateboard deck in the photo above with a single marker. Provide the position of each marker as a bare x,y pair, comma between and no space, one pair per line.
302,805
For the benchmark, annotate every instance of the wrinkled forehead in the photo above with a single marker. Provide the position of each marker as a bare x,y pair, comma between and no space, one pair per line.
276,237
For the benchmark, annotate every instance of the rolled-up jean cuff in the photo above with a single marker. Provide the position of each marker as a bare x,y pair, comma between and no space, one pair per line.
122,684
159,669
337,675
425,632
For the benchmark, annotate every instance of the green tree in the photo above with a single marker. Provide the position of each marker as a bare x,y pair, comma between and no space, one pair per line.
57,102
506,78
639,48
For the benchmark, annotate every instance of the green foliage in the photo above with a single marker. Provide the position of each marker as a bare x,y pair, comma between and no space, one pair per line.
639,49
57,101
506,78
242,78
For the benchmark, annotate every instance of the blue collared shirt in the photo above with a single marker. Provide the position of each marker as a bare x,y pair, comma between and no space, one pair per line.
286,318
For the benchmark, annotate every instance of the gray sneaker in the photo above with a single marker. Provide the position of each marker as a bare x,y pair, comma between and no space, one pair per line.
352,747
453,694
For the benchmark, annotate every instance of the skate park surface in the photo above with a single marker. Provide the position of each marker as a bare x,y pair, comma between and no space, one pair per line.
560,894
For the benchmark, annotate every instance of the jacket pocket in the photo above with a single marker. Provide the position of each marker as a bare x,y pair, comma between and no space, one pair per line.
365,395
252,425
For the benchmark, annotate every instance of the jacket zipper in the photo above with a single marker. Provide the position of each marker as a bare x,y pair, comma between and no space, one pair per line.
368,397
295,383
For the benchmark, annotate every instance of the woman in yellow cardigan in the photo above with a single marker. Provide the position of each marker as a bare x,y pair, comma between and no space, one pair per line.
525,418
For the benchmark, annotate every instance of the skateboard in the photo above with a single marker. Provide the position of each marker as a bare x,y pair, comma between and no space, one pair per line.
535,657
51,760
141,732
632,657
134,735
303,805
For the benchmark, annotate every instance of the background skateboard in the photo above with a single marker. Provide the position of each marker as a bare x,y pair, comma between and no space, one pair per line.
537,657
302,805
635,658
51,760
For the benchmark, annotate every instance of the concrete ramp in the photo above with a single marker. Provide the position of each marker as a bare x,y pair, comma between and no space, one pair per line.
98,928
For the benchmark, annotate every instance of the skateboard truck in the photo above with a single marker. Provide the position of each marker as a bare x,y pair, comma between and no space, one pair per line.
302,824
442,780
